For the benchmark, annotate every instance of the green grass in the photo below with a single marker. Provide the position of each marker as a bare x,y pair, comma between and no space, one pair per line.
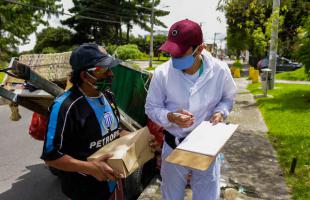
150,68
287,116
2,65
1,76
156,62
155,59
297,75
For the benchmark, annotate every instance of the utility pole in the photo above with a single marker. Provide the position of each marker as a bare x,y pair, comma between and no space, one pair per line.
151,40
215,49
274,41
214,45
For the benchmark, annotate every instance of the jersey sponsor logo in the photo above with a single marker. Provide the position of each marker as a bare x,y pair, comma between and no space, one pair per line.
105,140
108,119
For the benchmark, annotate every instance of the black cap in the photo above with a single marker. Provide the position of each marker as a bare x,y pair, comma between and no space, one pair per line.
89,55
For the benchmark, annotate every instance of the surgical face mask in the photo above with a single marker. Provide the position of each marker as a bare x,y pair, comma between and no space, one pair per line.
101,84
184,62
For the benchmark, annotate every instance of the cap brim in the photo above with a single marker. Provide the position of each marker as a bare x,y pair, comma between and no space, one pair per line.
174,49
108,61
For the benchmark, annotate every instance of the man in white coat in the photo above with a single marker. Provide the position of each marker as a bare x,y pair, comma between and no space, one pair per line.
190,88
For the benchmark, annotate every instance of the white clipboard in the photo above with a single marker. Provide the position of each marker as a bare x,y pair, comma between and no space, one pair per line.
201,146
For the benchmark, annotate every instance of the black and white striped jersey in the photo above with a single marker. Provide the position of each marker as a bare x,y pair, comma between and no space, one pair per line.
79,125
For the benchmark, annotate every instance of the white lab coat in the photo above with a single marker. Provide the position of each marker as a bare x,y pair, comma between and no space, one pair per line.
169,91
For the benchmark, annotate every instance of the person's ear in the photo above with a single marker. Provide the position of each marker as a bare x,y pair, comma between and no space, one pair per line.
84,76
200,48
102,50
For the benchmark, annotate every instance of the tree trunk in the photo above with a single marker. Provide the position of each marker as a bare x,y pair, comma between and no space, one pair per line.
120,34
274,40
127,34
116,34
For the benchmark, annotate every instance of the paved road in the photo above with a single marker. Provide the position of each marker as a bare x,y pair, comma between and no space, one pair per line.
23,176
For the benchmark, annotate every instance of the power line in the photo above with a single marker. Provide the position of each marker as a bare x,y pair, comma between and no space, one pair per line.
115,7
127,13
109,13
59,12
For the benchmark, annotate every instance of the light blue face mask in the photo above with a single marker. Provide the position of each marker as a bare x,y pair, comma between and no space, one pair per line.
184,62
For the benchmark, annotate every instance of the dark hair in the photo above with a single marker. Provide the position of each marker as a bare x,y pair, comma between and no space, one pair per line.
75,78
194,47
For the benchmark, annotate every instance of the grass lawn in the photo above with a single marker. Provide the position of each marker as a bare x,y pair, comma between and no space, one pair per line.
2,65
1,76
287,116
297,75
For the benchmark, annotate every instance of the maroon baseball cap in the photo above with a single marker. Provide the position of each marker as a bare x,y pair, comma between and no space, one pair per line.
182,35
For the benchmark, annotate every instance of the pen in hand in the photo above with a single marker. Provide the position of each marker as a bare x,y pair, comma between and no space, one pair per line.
182,118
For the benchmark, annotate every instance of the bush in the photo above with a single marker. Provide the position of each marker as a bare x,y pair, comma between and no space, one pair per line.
297,75
237,64
128,51
49,50
111,48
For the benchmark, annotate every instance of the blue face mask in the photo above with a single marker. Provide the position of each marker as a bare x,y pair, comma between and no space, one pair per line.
184,62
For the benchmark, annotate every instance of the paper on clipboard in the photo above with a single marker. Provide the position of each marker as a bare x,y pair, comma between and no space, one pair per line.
200,147
208,139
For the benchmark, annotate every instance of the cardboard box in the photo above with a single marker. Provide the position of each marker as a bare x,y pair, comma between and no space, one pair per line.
129,152
201,146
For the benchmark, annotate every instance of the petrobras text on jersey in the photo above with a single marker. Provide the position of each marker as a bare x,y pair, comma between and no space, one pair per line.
105,140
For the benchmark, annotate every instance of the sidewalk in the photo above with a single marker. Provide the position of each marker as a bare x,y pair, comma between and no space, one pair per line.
2,101
250,162
292,82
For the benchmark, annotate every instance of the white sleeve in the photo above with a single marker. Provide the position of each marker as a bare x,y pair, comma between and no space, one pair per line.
155,101
228,96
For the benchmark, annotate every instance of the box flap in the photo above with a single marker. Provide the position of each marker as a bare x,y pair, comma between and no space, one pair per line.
129,152
130,158
119,166
139,151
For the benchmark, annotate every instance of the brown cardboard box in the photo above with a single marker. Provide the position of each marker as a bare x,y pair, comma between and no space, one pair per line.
129,152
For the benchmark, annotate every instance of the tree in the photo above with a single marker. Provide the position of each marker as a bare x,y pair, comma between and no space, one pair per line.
19,20
58,39
296,11
245,19
143,43
236,41
249,23
110,15
303,51
143,17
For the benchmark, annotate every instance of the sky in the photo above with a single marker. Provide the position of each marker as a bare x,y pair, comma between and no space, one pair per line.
201,11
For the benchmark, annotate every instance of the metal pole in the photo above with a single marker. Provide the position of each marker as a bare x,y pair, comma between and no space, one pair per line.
151,40
274,40
214,45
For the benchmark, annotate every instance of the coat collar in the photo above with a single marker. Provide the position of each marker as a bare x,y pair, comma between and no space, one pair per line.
207,74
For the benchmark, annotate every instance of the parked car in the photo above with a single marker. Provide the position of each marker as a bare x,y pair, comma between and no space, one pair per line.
282,64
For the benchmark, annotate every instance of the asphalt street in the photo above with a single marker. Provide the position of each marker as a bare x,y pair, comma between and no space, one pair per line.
23,176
